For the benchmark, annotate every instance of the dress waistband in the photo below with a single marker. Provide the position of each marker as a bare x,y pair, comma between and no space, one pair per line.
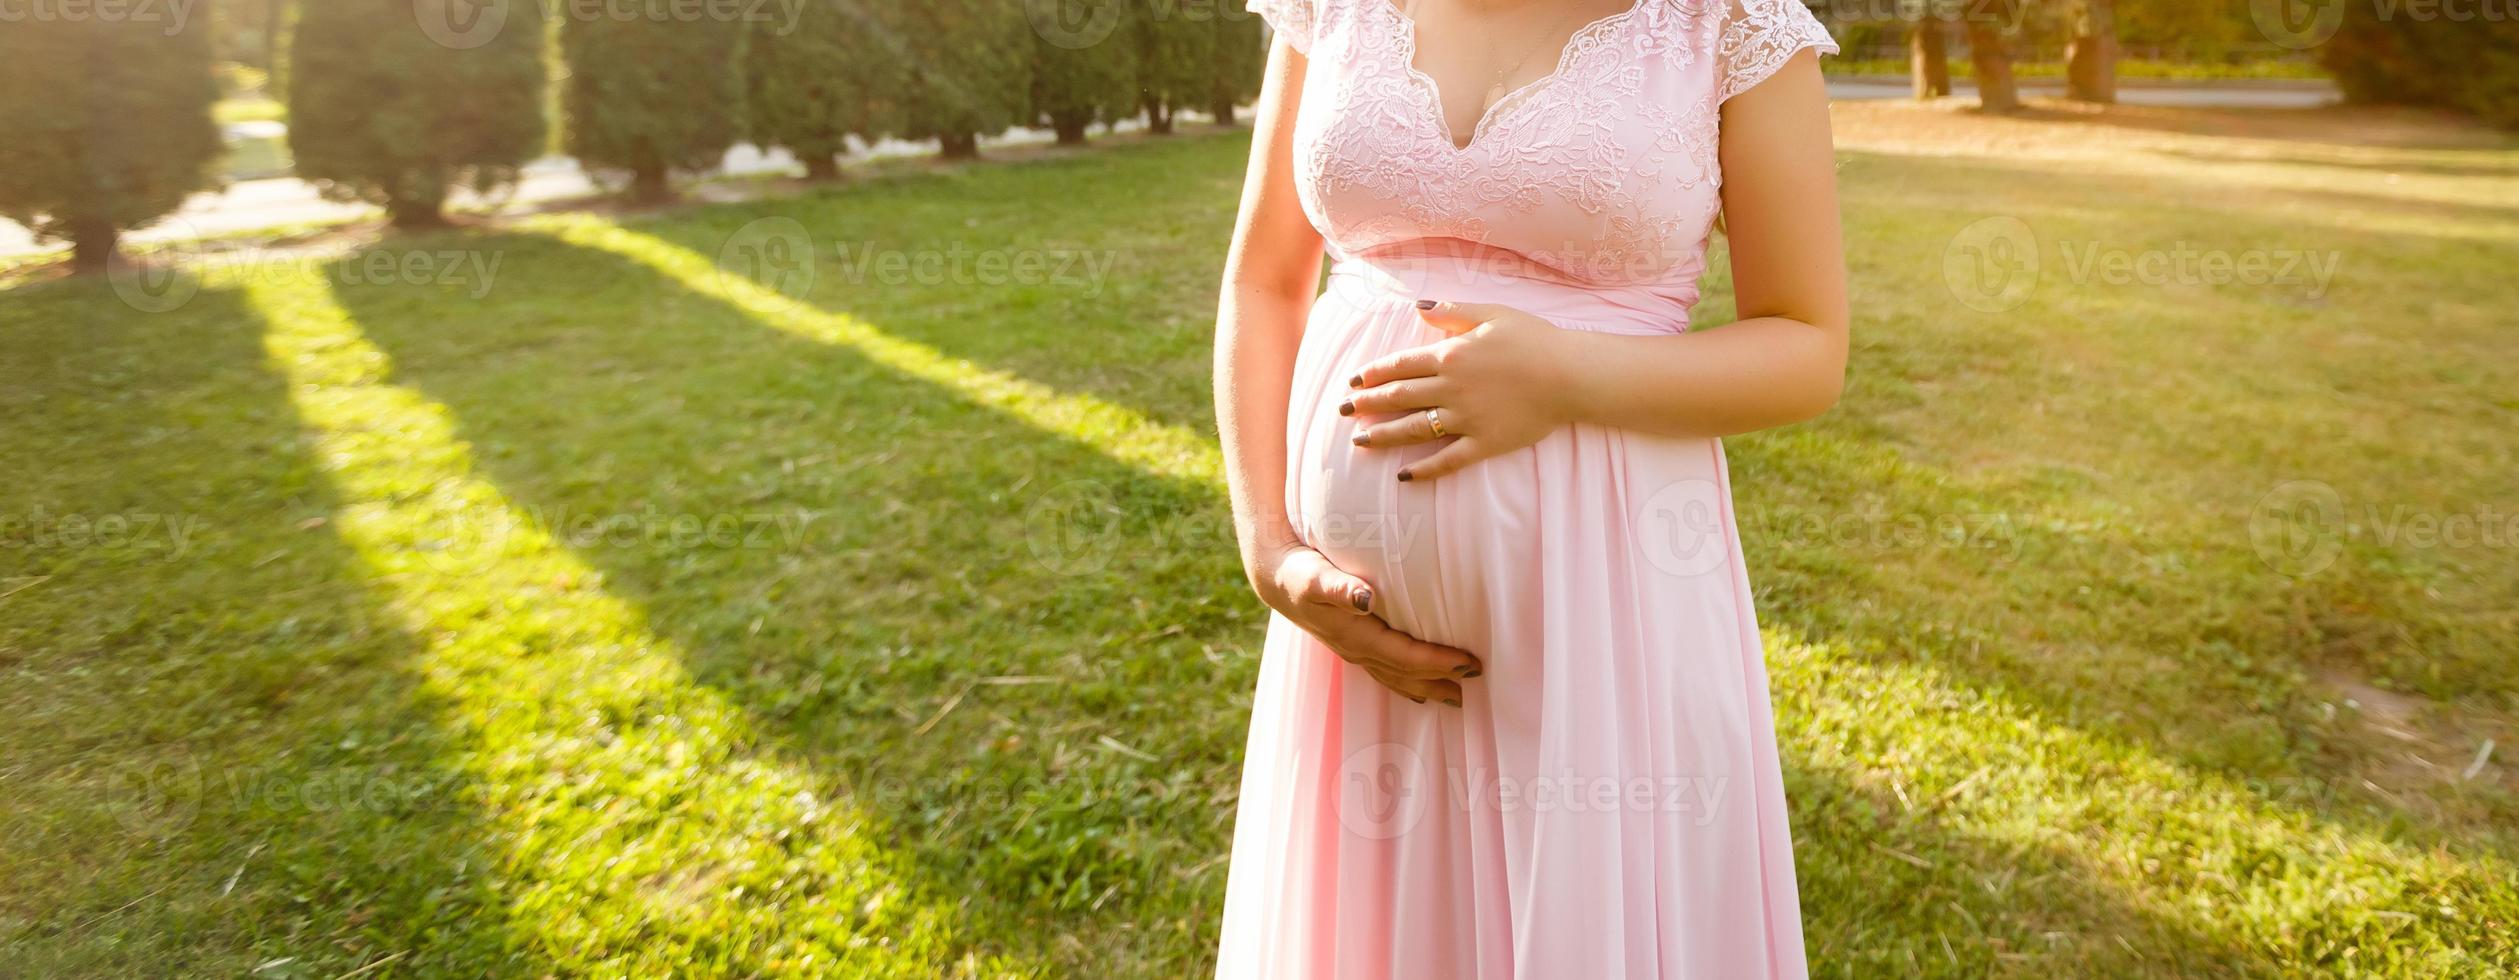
1485,275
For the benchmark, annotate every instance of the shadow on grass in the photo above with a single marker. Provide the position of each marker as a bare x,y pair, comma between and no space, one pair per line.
2268,218
1021,267
2340,127
2488,163
1029,661
216,754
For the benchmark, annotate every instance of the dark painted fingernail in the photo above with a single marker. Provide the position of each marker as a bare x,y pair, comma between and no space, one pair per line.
1468,670
1425,304
1363,598
1455,702
1417,699
1403,476
1359,439
1356,382
1346,408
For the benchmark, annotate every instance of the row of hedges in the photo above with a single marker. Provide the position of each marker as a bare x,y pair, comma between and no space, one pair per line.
105,119
2397,53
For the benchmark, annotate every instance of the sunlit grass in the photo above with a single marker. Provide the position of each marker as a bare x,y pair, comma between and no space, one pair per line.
974,702
1170,450
632,802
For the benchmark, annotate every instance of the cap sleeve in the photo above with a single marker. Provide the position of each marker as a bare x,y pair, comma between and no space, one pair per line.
1293,20
1759,36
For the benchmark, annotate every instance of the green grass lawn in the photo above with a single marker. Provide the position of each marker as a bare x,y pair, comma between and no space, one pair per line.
625,603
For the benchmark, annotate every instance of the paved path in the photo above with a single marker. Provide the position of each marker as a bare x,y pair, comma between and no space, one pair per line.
256,204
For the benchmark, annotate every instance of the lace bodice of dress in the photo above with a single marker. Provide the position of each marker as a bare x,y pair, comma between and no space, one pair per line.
1603,172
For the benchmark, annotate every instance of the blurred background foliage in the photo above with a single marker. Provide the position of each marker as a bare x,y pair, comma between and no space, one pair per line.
397,101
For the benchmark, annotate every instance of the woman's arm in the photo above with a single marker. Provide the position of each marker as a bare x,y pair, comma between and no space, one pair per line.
1507,379
1272,272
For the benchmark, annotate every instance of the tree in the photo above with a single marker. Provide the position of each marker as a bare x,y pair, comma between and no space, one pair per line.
814,83
2091,57
1990,53
1928,54
970,68
397,109
1240,56
2467,64
1174,58
652,93
104,124
250,31
1082,73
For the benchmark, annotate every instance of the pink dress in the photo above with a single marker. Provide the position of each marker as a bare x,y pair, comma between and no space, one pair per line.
1606,802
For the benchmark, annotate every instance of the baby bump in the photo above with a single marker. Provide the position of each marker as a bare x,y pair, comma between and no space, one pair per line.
1436,552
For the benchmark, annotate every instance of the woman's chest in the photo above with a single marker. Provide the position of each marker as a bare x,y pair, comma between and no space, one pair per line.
1606,168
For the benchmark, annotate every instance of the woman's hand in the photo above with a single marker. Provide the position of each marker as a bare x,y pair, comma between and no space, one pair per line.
1499,383
1337,608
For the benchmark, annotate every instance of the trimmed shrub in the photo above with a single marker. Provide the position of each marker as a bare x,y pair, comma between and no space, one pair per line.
653,93
2468,65
396,109
815,83
1238,60
1083,68
970,68
1175,42
104,125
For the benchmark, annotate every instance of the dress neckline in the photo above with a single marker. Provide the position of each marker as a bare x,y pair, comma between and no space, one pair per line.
1430,92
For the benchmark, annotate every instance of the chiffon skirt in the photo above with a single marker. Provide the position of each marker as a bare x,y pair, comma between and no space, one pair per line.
1606,801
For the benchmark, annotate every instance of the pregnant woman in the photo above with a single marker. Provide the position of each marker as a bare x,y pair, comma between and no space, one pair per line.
1512,717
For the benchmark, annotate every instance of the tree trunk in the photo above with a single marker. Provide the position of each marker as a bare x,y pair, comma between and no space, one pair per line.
273,12
410,214
92,245
1070,128
1223,111
1996,91
1928,58
651,185
2091,58
1158,117
958,146
822,168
